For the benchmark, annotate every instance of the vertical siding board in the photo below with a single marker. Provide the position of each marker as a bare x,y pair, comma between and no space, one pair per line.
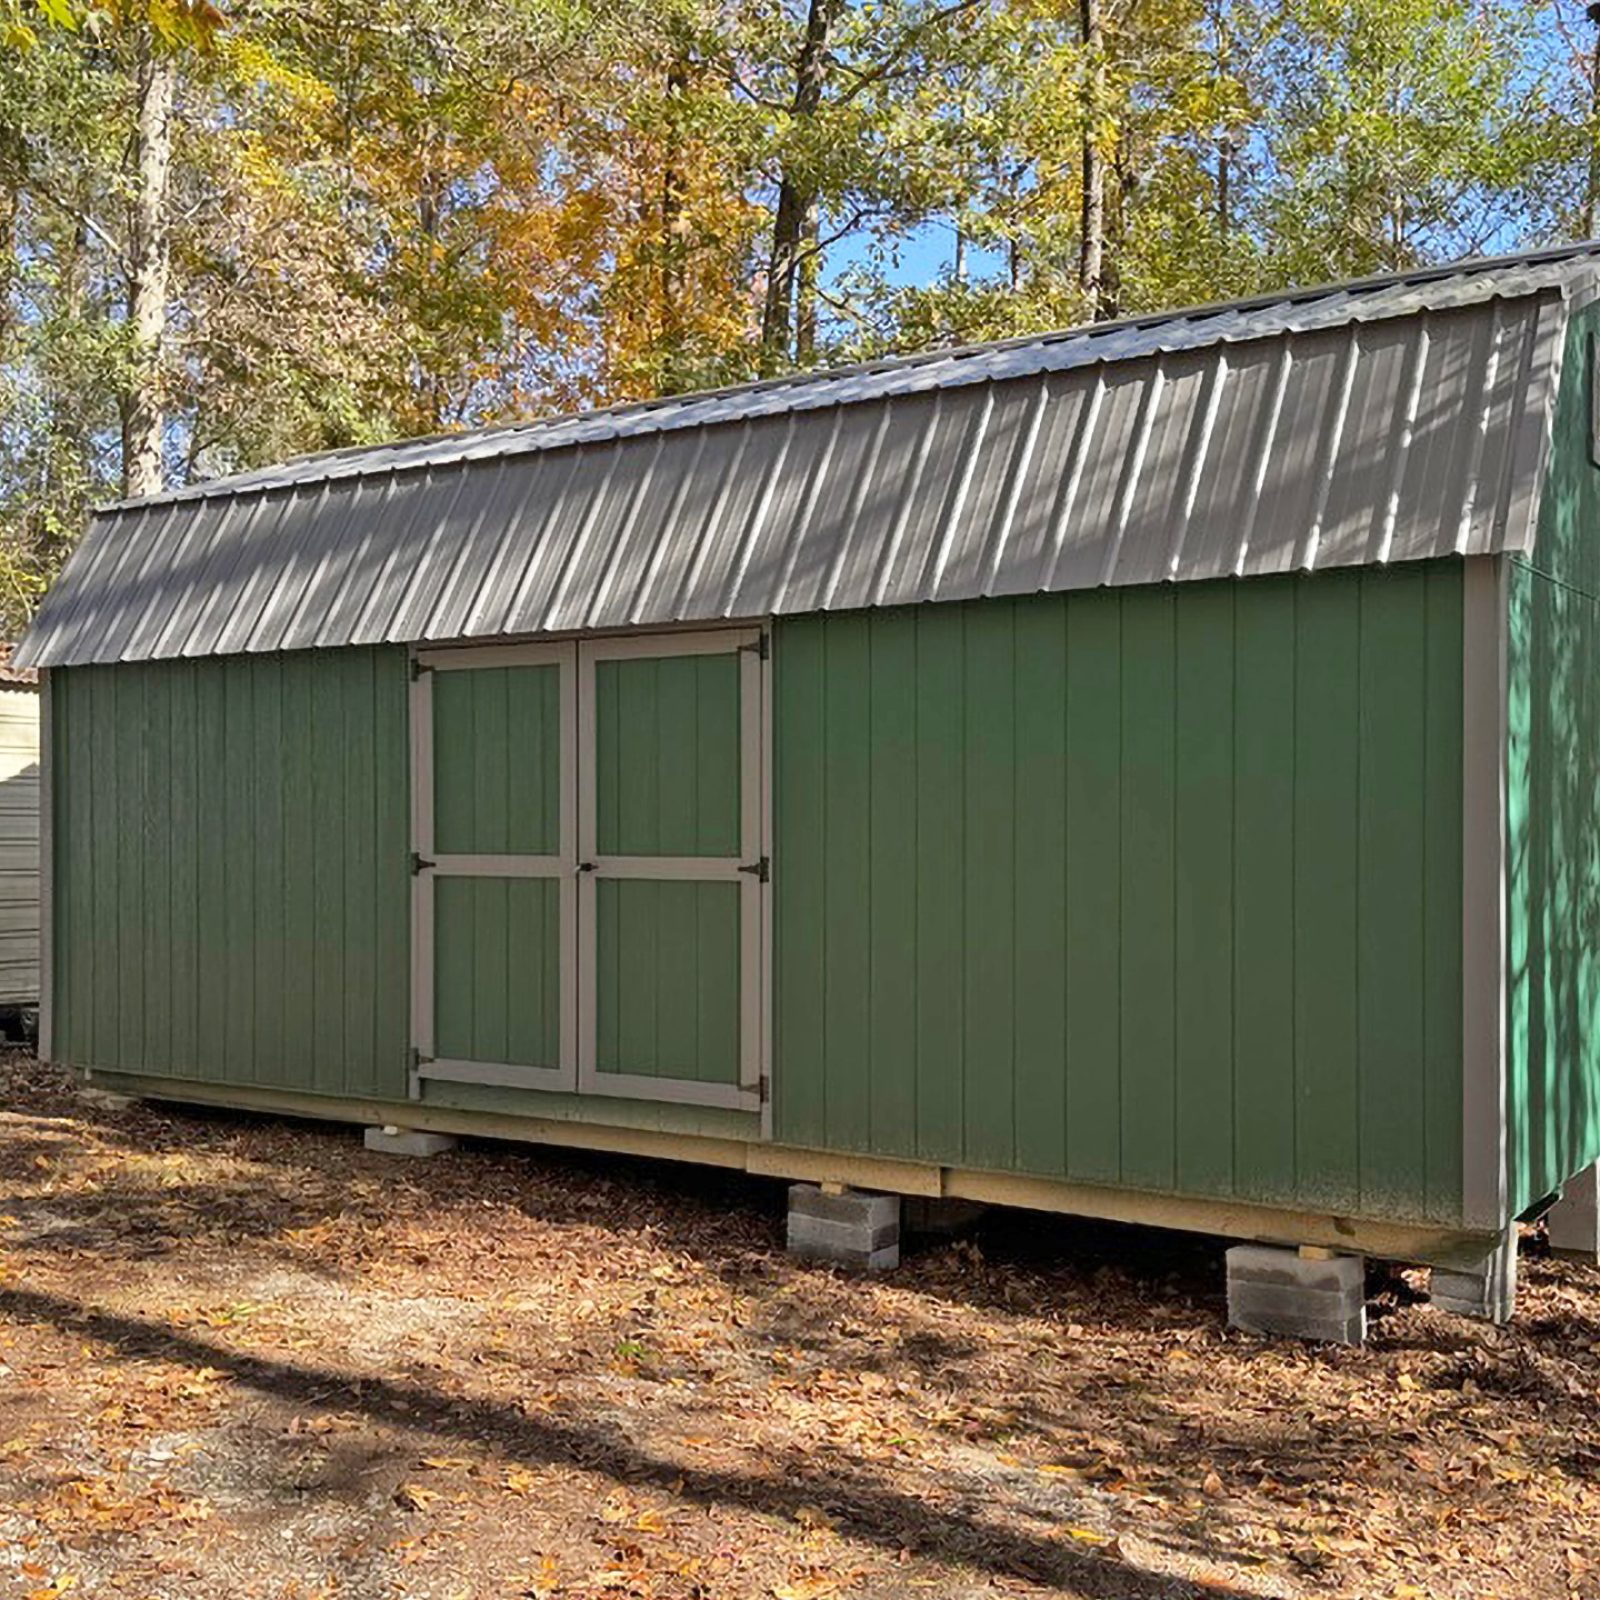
1203,871
105,800
489,756
638,1032
238,867
328,790
266,863
1094,869
302,957
892,784
211,924
717,756
847,801
941,911
1391,892
128,744
391,886
454,758
1040,868
1263,890
1442,890
988,865
185,885
360,823
157,893
679,970
453,910
799,756
1148,958
491,971
1326,864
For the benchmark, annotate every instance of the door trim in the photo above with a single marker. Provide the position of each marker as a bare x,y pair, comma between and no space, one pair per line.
746,1094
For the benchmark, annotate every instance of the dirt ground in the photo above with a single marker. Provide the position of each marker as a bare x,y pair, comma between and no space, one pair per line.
244,1358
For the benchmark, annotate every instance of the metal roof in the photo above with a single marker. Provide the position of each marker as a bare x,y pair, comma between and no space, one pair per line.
1389,420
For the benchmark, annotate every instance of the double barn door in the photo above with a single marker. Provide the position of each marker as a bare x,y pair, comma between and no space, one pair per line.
589,870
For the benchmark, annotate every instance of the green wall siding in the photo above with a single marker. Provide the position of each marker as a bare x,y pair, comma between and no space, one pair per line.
1553,812
231,879
1158,887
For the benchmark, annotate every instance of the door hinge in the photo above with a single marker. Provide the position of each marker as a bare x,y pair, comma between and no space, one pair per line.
418,667
420,863
758,645
418,1060
764,1089
761,869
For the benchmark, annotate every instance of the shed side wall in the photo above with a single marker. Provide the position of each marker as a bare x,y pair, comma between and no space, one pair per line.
231,886
1553,810
1158,887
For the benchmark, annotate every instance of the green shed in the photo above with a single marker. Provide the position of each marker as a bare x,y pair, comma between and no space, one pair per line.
1150,771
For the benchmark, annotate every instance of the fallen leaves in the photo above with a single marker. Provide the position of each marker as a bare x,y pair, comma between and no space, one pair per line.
525,1375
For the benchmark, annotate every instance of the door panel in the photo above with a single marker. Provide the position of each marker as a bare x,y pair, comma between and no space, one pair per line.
498,983
495,908
667,980
497,760
667,756
671,880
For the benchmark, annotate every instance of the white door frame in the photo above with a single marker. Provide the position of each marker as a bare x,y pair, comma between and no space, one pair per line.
749,869
428,867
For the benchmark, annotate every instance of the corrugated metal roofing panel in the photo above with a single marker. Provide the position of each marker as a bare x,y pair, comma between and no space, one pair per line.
1364,423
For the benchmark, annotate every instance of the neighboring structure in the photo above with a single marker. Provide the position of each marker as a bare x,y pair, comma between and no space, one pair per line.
1151,771
19,847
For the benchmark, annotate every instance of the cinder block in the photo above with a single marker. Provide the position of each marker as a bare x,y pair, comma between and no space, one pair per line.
1278,1291
106,1099
392,1141
850,1229
1573,1222
1486,1290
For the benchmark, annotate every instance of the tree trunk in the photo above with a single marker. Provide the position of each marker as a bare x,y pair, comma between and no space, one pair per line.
796,197
806,273
1091,256
674,251
143,416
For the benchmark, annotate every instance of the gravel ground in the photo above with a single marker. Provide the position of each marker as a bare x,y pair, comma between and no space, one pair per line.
241,1357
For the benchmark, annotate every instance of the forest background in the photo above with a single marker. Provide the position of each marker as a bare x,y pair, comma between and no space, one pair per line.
232,235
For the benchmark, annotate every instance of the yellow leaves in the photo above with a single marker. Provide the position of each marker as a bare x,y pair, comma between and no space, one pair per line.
810,1583
414,1497
62,1583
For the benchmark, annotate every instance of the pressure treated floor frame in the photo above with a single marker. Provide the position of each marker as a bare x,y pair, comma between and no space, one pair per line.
1231,1219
